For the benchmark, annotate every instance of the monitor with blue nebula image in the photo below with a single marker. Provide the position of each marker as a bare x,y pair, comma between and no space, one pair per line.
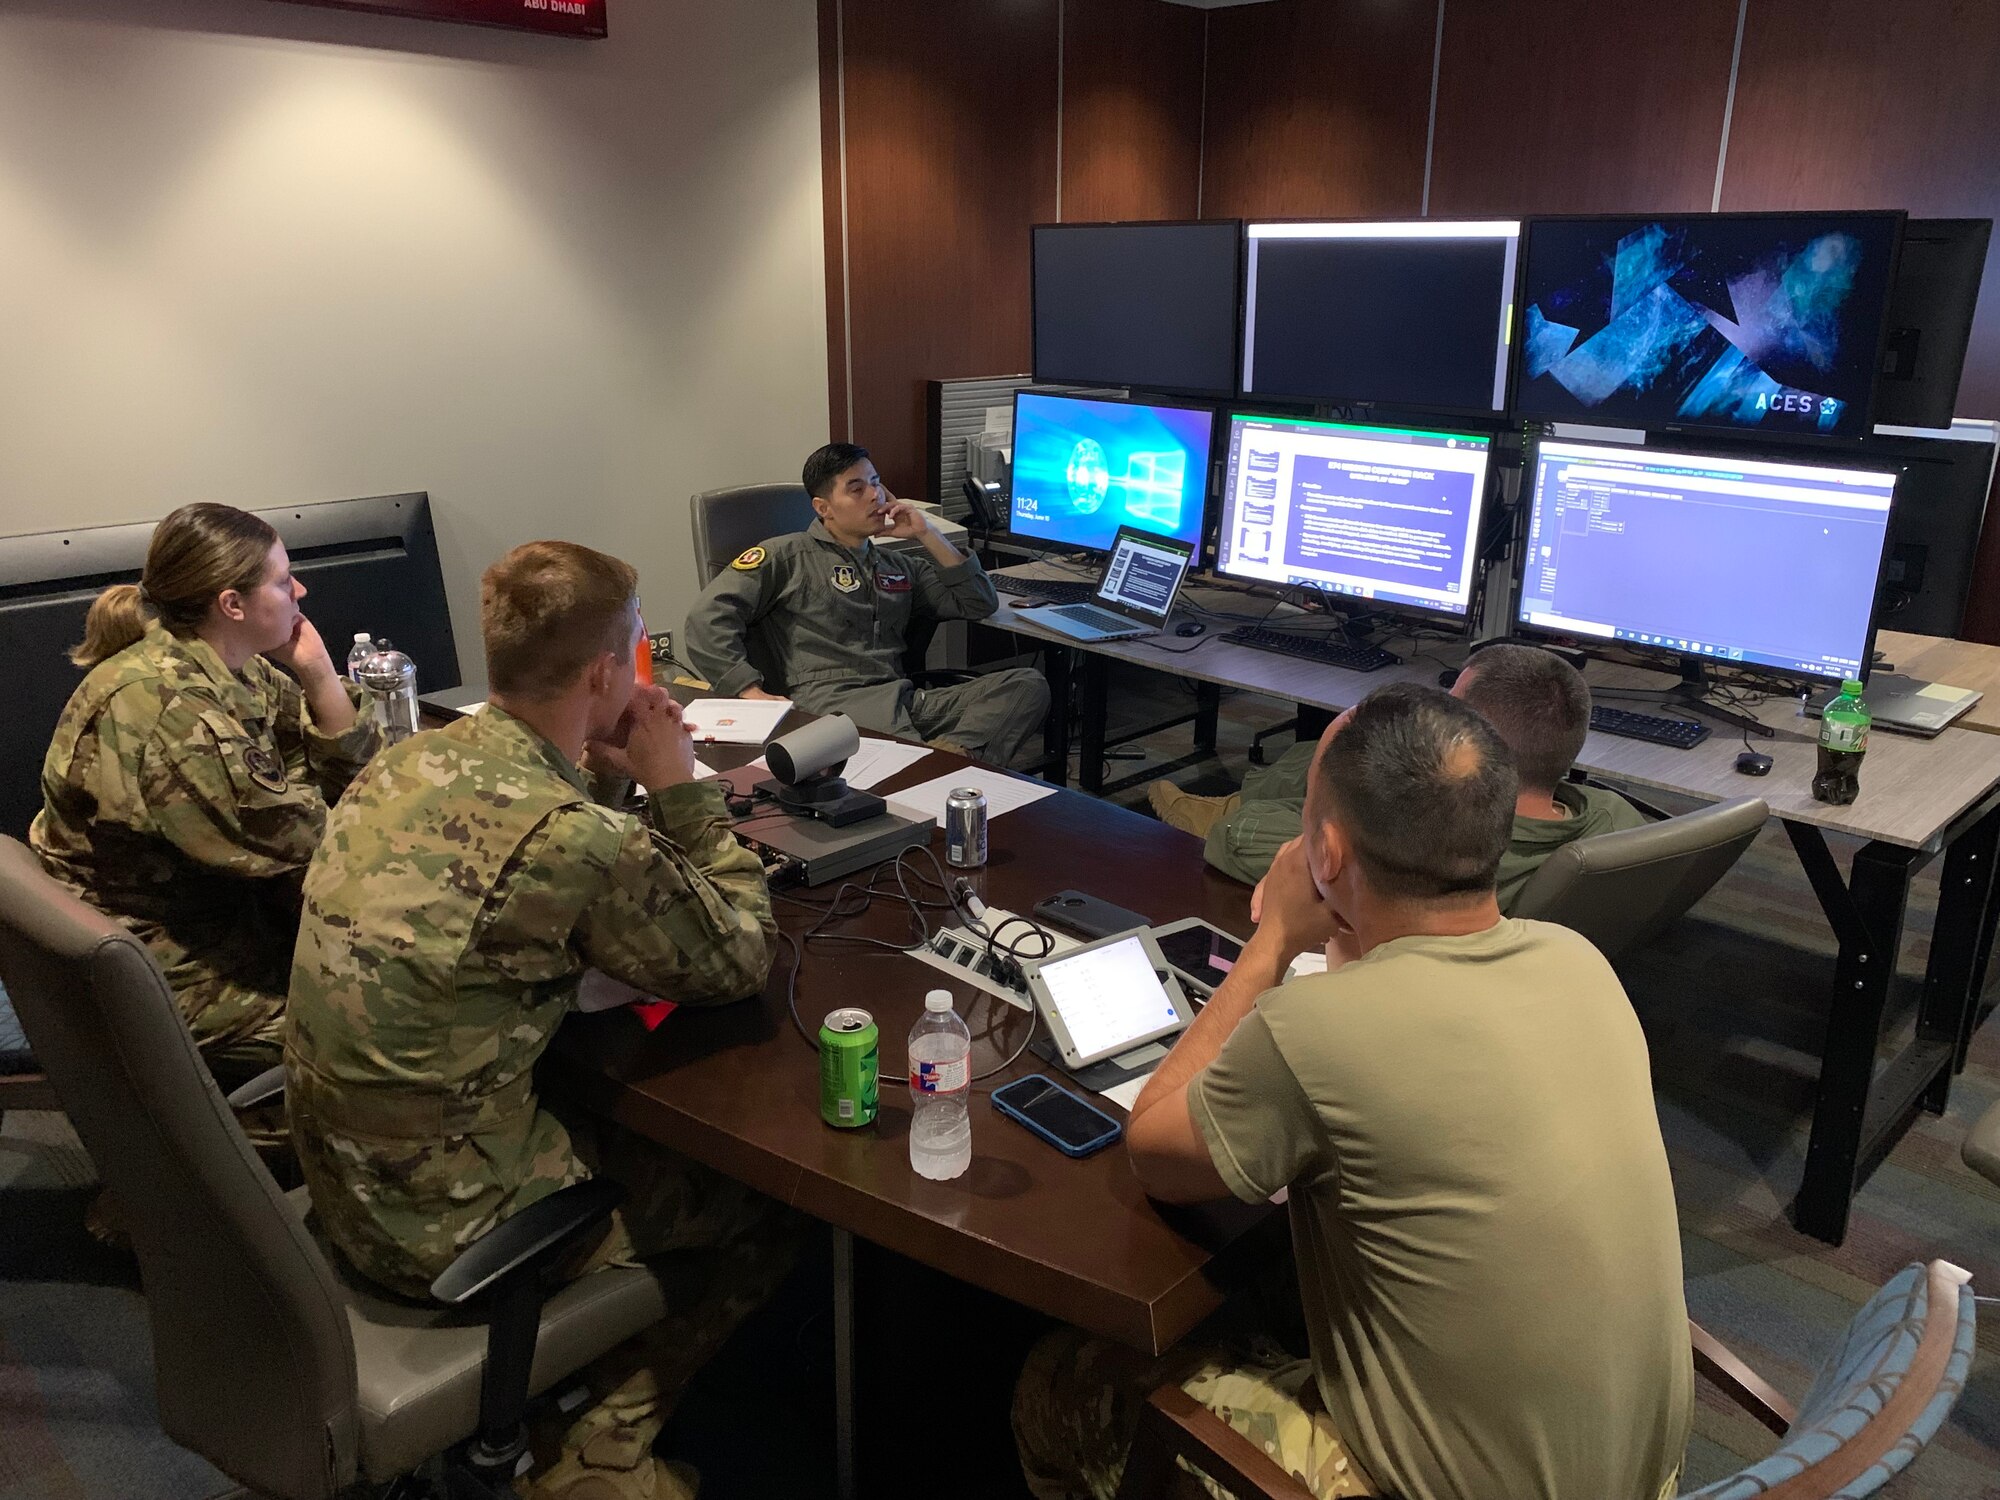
1767,322
1084,467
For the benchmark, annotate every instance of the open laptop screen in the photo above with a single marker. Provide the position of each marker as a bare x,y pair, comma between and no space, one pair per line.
1143,575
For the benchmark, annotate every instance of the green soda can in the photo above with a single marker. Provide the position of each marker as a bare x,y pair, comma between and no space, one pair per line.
850,1058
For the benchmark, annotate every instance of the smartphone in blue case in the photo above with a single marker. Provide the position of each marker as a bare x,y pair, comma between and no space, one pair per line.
1056,1115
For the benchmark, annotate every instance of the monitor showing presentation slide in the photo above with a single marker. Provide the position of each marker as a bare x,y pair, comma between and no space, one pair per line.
1410,315
1386,514
1148,306
1771,322
1729,559
1085,467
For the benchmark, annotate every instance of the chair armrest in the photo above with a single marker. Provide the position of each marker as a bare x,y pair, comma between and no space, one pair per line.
266,1086
532,1237
1174,1424
1739,1382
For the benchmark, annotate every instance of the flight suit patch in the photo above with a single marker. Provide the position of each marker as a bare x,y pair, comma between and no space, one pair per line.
265,768
845,578
749,558
893,583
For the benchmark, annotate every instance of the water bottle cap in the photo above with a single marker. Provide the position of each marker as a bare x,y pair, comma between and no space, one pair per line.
362,635
1851,686
938,1000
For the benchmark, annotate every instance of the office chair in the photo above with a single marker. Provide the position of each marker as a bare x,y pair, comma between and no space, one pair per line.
293,1378
1887,1388
1623,889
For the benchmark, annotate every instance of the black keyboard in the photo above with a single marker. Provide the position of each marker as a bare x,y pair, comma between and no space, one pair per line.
1682,734
1056,592
1313,648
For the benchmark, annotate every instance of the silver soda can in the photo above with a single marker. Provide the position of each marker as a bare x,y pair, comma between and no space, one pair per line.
965,828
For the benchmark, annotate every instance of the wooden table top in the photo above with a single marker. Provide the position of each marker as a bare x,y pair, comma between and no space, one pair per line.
736,1087
1965,664
1912,789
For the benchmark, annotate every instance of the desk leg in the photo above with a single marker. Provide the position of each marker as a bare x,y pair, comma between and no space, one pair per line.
1958,945
1056,662
843,1363
1856,1117
1094,692
1207,708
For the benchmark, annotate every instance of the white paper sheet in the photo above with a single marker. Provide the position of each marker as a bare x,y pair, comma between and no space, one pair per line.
1004,793
877,760
1126,1094
734,721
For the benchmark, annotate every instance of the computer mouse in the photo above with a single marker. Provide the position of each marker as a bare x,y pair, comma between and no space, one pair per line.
1189,627
1753,763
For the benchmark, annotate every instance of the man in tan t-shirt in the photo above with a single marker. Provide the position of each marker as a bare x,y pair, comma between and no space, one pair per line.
1462,1110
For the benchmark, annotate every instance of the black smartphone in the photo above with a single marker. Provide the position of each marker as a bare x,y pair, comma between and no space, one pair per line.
1056,1115
1088,916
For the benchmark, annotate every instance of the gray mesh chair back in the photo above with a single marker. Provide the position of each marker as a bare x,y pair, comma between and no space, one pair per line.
1623,889
726,521
254,1360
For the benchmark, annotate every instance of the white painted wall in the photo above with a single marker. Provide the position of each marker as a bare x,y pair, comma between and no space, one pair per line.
260,253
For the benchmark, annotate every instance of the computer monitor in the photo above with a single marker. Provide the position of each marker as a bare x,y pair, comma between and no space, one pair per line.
1151,307
1406,315
1388,516
1707,557
1083,467
1930,320
1935,529
368,564
1771,323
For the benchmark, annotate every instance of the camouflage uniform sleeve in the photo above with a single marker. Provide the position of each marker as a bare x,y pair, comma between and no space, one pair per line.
685,915
960,593
209,790
718,627
330,761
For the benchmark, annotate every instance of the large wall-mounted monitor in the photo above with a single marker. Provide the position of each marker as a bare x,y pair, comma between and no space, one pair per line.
1930,320
1770,323
1084,466
1150,307
1708,557
1406,315
1387,516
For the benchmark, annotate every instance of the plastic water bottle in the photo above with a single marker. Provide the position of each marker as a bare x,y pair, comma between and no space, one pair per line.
364,647
940,1090
1843,740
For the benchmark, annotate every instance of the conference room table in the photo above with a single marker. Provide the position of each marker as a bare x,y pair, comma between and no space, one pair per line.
1963,664
737,1087
1921,801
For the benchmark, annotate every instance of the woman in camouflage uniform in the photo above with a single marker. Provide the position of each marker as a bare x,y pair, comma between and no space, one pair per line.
188,782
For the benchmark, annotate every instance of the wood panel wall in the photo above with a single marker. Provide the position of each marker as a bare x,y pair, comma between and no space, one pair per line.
1131,118
1318,107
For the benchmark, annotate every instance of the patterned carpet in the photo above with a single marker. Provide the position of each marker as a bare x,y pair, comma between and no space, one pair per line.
1731,1000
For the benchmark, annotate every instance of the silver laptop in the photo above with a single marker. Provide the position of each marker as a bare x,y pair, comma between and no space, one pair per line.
1906,703
1136,593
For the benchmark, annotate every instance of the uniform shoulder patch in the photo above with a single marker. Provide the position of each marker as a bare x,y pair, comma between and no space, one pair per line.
749,559
265,768
845,578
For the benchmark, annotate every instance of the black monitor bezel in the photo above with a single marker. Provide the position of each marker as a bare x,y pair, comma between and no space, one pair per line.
1047,545
1686,663
1436,619
1497,414
1517,382
1960,334
1192,393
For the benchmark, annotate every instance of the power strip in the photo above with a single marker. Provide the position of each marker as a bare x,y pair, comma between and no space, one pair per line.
963,954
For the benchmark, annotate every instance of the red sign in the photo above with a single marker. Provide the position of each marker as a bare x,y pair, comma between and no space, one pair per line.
560,17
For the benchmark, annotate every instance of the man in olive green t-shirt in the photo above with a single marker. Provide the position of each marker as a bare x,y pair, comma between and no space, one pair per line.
1461,1108
1538,702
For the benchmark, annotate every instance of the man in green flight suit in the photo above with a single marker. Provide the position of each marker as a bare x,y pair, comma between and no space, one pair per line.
1538,702
468,895
829,614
